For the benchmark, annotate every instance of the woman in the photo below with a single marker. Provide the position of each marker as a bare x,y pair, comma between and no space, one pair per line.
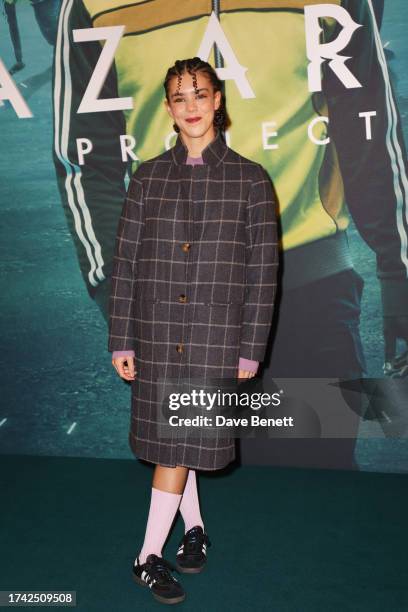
193,286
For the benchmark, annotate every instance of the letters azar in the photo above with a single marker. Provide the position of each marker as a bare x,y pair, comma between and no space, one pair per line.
317,52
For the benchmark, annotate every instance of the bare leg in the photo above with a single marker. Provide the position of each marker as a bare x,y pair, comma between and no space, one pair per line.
172,480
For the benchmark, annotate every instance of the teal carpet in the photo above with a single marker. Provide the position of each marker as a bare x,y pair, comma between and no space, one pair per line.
284,539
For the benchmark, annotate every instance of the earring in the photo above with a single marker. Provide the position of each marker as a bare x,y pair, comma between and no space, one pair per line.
176,127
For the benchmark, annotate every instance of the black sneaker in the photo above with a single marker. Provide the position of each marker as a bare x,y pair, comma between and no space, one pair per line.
191,555
155,573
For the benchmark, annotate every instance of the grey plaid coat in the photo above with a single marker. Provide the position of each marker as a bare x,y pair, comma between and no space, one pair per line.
193,285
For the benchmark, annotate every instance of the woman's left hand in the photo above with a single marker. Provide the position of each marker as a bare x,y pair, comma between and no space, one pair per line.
245,374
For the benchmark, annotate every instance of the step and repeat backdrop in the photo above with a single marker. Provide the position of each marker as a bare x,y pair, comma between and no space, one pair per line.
318,94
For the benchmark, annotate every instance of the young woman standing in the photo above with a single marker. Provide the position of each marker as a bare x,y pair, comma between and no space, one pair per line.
192,295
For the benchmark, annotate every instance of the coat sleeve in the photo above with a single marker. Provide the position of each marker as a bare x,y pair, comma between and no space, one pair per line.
261,266
124,270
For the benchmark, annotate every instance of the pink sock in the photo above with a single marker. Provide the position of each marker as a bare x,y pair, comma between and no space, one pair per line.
163,508
190,505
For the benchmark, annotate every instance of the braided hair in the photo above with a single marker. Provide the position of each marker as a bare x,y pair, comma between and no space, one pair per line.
192,65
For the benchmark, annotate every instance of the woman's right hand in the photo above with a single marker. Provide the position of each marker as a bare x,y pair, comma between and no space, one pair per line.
125,367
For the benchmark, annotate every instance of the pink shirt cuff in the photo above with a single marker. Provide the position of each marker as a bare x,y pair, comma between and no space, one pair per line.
248,365
128,353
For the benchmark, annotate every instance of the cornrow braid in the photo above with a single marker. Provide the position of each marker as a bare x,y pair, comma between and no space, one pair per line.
192,66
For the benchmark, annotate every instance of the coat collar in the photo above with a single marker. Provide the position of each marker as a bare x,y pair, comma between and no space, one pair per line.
212,154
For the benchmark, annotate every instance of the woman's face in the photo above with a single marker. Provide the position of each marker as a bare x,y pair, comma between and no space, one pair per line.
188,105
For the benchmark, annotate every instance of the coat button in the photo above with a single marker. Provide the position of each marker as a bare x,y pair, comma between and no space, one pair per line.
182,298
186,246
179,348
